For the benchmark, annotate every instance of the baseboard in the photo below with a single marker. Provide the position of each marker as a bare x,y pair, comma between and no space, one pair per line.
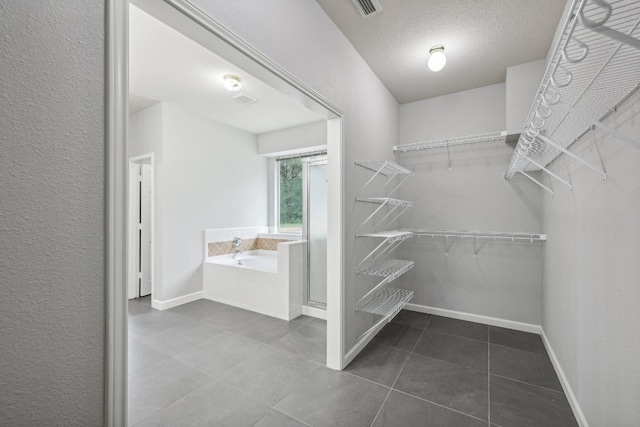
174,302
318,313
568,391
477,318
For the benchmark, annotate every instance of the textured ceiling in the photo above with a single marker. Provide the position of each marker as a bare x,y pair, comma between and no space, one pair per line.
165,65
481,38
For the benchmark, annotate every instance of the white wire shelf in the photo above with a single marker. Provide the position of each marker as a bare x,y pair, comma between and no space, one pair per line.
384,167
390,236
472,234
595,66
452,142
390,268
385,201
387,302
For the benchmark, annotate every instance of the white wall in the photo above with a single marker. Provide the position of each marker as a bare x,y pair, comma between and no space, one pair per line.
504,280
299,36
522,84
209,176
52,278
592,274
299,139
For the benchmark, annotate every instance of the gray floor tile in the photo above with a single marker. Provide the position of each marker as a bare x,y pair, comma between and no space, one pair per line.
318,323
199,309
153,322
141,356
399,336
267,330
463,351
161,384
517,404
270,376
330,398
303,319
232,319
379,363
525,366
461,328
214,404
408,411
139,306
306,341
178,339
516,339
448,384
275,418
219,353
413,319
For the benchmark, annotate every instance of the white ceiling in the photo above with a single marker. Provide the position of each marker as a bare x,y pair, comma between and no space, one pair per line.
481,39
165,65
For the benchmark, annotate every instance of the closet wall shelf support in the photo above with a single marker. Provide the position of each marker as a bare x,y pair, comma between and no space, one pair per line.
391,239
451,142
385,168
487,235
594,67
384,201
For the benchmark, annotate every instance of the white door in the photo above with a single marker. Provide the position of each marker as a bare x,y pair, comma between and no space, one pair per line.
143,230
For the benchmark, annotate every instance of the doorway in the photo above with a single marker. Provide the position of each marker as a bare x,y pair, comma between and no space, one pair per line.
140,235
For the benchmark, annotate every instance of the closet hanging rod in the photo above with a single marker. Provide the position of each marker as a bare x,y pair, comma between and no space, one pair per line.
474,234
452,142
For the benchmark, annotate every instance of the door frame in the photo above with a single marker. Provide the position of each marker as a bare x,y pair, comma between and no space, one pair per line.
116,119
131,241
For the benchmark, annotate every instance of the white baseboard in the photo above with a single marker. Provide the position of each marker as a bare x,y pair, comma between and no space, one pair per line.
477,318
568,391
318,313
174,302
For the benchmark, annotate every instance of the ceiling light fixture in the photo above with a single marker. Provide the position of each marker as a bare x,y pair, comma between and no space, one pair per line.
437,58
232,83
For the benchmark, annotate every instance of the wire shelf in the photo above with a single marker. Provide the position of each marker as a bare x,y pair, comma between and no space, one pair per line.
595,66
389,268
391,236
385,201
491,235
384,167
387,302
452,142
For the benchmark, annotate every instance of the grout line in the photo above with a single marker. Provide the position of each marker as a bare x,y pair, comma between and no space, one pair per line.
526,383
381,406
439,404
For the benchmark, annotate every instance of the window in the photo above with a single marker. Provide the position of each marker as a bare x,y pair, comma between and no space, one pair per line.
290,195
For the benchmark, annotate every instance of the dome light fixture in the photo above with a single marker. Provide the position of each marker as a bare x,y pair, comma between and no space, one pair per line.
232,83
437,58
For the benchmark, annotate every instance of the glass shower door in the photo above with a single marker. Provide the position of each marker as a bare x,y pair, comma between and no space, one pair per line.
316,232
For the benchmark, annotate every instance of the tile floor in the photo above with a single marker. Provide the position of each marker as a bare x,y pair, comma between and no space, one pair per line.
210,364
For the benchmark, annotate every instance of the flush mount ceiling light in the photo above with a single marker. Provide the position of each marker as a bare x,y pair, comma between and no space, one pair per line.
437,58
232,83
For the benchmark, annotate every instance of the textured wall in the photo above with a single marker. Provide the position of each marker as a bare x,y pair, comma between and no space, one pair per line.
591,289
504,279
52,213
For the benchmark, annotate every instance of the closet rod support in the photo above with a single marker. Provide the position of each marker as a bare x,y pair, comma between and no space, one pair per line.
573,156
550,173
536,181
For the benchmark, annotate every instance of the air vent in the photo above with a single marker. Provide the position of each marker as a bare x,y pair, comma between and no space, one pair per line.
367,7
244,99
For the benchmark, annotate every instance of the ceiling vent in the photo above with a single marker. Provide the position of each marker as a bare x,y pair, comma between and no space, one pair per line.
367,7
244,99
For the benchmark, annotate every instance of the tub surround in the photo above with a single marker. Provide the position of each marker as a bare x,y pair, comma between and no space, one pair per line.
271,281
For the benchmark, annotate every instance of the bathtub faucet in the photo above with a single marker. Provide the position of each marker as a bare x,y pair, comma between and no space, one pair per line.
236,256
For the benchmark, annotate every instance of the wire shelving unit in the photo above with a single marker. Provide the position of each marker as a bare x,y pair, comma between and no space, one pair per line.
380,300
595,67
452,142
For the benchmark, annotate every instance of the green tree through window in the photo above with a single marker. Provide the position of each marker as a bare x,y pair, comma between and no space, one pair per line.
291,195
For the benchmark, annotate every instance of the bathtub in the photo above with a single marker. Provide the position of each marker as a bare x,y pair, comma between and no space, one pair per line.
267,282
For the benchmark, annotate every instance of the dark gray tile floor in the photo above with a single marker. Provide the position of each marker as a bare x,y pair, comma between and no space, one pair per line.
206,363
